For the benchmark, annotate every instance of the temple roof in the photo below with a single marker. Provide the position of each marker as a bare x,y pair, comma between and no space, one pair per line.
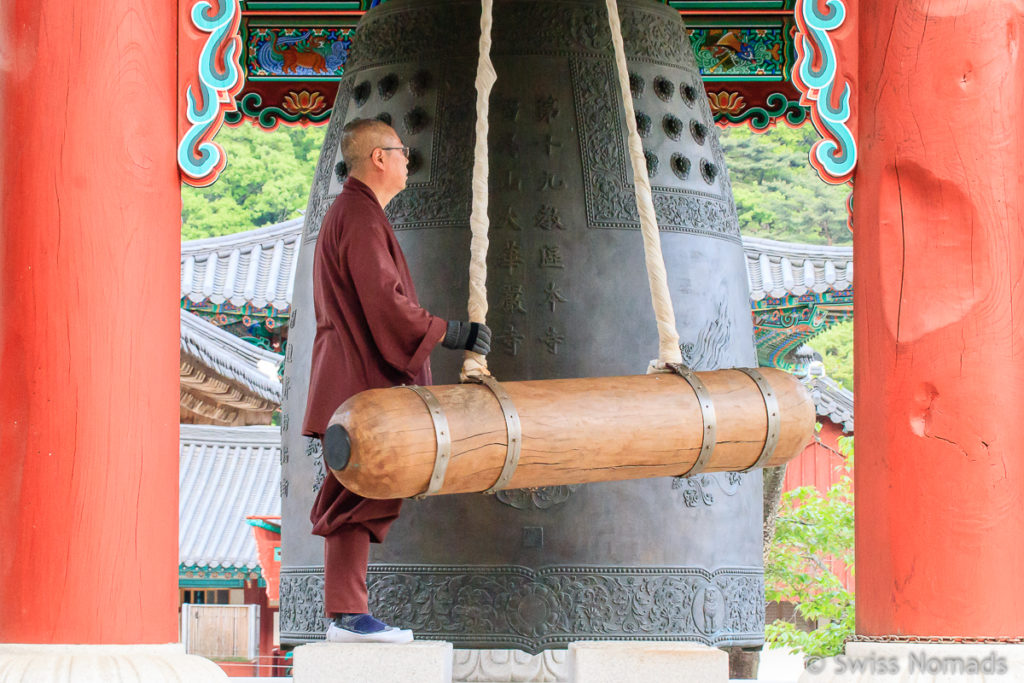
777,269
226,474
224,379
257,267
232,357
831,400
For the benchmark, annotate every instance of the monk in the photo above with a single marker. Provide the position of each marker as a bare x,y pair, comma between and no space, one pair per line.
370,332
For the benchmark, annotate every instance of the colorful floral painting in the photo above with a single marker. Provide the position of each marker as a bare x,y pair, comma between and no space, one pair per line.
304,102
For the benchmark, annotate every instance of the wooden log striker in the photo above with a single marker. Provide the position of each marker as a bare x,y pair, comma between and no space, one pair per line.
409,441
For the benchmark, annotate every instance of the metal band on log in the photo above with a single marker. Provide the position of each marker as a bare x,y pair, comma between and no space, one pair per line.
573,431
707,418
771,410
442,437
513,430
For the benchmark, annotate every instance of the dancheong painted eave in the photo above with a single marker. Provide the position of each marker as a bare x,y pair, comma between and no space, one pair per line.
226,475
230,358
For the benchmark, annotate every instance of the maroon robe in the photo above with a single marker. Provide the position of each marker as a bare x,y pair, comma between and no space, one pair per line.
370,332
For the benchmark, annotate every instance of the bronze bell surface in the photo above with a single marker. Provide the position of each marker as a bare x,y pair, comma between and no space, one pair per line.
537,569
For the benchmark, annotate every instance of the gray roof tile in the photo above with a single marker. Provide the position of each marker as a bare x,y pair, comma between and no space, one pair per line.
777,269
257,267
831,400
226,474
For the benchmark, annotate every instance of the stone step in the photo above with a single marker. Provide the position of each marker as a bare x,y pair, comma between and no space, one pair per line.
645,662
588,662
420,661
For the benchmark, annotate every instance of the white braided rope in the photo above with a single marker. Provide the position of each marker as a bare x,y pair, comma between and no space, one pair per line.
668,337
475,364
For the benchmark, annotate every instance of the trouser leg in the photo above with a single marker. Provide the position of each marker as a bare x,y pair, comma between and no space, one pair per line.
346,553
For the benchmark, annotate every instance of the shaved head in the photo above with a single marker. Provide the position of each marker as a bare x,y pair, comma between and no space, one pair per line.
360,137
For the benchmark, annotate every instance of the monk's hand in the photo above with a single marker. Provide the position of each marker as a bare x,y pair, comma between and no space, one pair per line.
475,337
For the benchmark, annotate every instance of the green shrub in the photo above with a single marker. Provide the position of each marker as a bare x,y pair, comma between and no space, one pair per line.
814,537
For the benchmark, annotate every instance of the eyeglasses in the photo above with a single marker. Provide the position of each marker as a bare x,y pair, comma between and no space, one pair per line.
405,150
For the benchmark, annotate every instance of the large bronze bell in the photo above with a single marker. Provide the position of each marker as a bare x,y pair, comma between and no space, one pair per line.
537,569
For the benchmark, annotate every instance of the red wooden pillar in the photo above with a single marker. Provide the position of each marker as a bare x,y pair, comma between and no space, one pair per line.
939,247
89,260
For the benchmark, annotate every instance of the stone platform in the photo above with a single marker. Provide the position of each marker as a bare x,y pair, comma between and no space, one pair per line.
584,662
422,661
644,662
104,664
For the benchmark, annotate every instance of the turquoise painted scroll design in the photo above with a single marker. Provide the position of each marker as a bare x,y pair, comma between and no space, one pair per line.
219,78
817,77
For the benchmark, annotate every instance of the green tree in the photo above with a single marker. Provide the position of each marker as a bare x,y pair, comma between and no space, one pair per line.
836,348
814,535
266,181
778,194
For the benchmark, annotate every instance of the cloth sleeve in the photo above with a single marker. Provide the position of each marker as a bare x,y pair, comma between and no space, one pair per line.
404,332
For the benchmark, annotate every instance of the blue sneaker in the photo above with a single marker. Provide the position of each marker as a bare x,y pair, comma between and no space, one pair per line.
365,628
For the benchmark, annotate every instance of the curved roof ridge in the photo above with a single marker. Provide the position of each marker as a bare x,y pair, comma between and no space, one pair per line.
291,228
763,244
260,435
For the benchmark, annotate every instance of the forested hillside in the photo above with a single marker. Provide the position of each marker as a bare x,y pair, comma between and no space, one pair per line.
778,194
266,181
268,176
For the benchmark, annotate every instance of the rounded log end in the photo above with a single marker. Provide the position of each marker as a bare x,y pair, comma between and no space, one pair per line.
798,425
337,447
